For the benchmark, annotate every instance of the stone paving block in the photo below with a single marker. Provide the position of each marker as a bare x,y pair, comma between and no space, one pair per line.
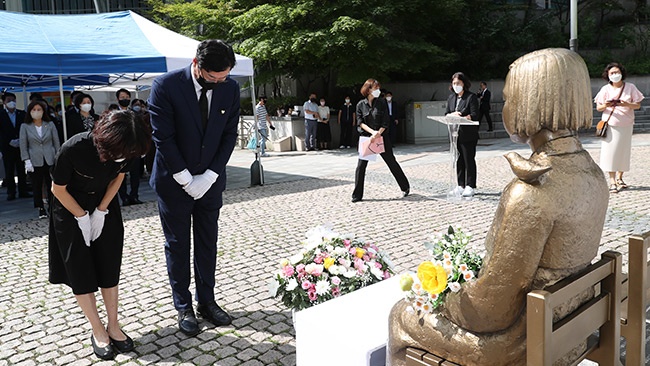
168,351
209,346
204,360
189,354
270,357
166,341
224,352
27,363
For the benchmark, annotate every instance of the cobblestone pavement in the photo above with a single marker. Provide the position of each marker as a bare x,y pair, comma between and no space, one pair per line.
40,323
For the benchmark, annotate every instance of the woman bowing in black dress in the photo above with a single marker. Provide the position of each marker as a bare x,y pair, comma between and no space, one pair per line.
86,230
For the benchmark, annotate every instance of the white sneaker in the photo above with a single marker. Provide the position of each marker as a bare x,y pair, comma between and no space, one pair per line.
342,147
468,192
347,147
456,191
265,155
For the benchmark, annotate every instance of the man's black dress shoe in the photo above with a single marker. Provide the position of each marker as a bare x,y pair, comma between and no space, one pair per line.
123,346
406,192
356,199
187,322
214,314
11,197
105,353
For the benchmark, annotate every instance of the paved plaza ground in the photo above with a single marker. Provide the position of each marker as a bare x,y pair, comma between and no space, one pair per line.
40,323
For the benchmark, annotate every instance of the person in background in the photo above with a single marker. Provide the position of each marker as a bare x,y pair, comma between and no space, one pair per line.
323,134
347,120
262,117
73,95
190,107
58,120
618,99
464,103
39,143
372,115
10,120
485,98
136,168
86,237
123,97
310,109
35,96
392,116
113,107
82,117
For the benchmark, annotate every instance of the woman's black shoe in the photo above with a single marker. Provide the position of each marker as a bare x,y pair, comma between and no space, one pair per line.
105,353
123,346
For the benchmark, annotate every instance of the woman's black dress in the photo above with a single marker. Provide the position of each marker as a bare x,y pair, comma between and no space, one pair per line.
83,268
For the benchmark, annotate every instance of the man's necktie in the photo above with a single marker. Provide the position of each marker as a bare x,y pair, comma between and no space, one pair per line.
203,104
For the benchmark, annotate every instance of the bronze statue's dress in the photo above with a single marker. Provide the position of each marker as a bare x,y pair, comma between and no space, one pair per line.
547,226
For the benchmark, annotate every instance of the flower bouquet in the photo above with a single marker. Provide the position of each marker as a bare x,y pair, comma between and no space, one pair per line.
328,265
452,265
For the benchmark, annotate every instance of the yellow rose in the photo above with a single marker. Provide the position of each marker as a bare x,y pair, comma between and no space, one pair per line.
432,277
328,262
360,253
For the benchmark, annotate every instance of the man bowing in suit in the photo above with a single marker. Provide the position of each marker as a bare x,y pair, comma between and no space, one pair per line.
194,116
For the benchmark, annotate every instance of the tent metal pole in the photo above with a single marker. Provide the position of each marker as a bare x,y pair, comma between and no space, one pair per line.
96,6
258,152
65,125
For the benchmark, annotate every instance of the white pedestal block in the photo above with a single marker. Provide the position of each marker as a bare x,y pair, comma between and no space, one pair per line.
349,330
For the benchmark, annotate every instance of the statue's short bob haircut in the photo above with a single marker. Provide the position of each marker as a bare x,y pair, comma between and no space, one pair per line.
549,89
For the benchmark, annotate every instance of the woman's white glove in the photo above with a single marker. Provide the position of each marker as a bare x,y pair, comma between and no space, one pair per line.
29,168
97,223
85,226
201,184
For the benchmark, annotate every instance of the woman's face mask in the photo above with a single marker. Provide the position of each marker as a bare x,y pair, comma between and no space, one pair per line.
615,78
457,88
375,93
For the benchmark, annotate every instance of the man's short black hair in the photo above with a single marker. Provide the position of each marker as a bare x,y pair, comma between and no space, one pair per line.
215,55
262,97
117,93
8,94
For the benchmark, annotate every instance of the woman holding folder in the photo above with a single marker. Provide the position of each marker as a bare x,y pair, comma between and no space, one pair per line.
372,116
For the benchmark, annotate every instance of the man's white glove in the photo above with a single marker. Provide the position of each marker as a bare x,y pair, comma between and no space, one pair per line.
97,223
85,226
29,168
201,184
14,143
183,177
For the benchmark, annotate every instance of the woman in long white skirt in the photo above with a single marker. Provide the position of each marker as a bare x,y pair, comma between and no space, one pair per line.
618,99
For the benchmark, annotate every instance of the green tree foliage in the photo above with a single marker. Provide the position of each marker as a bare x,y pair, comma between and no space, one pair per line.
341,43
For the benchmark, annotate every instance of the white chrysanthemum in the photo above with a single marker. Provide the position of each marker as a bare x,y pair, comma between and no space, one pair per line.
322,287
273,286
454,286
315,236
377,272
291,284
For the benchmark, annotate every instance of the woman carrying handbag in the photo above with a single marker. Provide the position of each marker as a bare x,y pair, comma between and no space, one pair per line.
372,116
618,101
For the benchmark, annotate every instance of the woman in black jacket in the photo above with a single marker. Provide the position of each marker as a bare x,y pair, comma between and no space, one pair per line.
82,117
372,117
464,103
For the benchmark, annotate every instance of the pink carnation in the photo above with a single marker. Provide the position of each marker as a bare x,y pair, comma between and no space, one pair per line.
288,271
347,242
318,259
336,291
353,251
386,274
312,295
378,265
300,268
306,285
336,281
366,258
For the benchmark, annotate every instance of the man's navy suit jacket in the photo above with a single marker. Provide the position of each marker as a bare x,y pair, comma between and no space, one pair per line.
178,134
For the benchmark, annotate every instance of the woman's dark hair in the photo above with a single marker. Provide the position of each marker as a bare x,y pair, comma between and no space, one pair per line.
80,97
369,84
30,106
610,66
215,55
460,76
121,134
138,101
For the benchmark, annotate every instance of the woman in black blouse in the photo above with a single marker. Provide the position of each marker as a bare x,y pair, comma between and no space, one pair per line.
464,103
86,230
372,117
